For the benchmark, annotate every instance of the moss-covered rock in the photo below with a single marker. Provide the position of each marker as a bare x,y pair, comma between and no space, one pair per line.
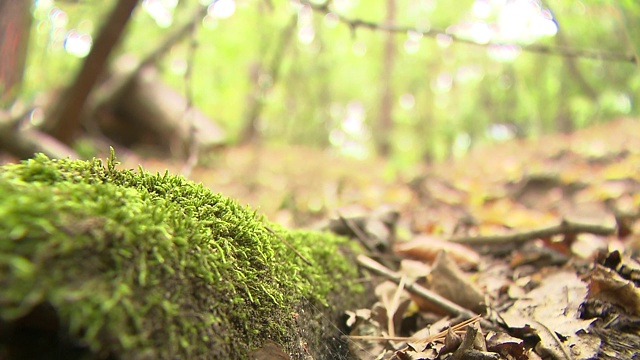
131,265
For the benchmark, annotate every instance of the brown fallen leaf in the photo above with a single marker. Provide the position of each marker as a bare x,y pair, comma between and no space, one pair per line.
450,282
503,343
551,311
364,326
425,247
414,269
608,286
452,342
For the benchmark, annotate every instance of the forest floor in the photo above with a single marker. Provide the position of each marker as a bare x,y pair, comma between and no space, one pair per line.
540,238
515,184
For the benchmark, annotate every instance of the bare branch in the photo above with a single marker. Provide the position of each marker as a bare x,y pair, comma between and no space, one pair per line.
532,48
65,117
565,228
274,233
420,290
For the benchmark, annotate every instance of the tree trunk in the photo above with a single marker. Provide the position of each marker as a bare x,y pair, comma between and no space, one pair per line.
15,25
255,101
64,119
385,125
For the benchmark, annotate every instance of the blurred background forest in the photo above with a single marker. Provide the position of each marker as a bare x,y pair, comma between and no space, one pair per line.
446,77
298,108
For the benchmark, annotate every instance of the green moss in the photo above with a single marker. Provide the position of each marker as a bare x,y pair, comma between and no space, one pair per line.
145,265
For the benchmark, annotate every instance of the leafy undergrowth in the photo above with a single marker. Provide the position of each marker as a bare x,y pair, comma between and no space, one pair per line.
539,238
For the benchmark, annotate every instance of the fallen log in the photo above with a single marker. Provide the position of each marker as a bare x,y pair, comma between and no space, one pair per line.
24,142
98,262
142,112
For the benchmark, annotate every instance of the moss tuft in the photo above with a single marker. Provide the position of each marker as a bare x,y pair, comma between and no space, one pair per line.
147,266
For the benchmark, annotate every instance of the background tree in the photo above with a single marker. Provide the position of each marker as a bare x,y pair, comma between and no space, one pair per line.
64,118
385,123
15,25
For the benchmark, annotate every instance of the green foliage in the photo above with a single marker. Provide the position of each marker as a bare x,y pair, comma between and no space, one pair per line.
319,80
152,264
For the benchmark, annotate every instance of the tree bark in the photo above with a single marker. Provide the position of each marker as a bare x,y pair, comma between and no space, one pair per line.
15,25
255,102
64,119
385,125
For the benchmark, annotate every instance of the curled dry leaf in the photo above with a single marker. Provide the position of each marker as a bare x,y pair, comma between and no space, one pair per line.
364,325
450,282
407,354
425,247
451,342
503,343
608,286
480,343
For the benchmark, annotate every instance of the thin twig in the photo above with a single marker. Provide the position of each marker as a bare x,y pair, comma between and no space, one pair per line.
559,351
288,245
431,32
360,235
363,239
564,228
108,93
431,338
173,37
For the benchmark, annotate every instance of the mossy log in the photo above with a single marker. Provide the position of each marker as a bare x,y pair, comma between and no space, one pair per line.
101,263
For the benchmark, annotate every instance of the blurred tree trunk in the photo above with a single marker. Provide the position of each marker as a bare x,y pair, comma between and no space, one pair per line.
15,25
564,121
254,105
385,121
255,102
64,118
324,94
427,125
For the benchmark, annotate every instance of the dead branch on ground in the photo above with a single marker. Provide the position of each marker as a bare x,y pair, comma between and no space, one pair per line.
417,289
363,239
23,143
564,228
